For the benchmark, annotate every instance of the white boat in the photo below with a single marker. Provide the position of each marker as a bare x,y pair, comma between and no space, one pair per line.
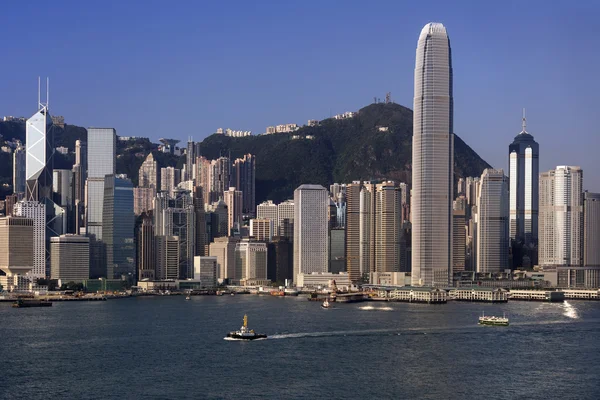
187,297
326,304
491,320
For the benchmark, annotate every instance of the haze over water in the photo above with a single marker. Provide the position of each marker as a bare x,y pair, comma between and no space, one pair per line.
166,347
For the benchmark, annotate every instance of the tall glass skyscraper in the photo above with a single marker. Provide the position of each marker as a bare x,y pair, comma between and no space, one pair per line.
523,159
432,159
102,147
118,224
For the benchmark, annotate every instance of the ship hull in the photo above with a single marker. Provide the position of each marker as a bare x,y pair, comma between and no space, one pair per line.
493,323
237,336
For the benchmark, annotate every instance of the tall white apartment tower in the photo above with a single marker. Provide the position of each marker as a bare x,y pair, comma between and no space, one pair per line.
492,224
561,217
432,159
311,250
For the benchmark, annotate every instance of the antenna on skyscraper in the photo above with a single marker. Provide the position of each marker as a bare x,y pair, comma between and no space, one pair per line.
524,122
39,104
47,93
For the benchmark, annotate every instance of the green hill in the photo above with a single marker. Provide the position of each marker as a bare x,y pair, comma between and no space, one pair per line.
340,151
358,148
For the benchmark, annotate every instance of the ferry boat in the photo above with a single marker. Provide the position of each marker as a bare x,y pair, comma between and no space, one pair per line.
187,297
246,334
326,304
31,303
498,321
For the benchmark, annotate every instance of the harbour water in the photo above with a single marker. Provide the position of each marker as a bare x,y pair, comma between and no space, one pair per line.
170,348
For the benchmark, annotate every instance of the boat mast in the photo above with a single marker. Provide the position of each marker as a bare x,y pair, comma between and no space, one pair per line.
245,321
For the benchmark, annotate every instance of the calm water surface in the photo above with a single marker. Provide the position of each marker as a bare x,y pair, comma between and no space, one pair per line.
169,348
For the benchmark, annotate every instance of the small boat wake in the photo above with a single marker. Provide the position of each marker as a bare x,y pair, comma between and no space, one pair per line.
371,308
570,311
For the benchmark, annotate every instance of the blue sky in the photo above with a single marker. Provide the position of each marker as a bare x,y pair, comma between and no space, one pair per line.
180,69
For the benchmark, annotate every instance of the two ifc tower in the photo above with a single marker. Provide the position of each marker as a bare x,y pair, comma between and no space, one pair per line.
433,164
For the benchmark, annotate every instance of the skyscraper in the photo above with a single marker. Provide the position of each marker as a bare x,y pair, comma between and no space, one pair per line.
118,224
433,159
591,229
190,157
169,179
19,178
250,263
146,253
167,257
367,226
16,257
561,217
39,154
523,158
233,198
311,249
37,212
143,200
224,249
175,217
492,224
148,173
70,258
261,229
203,176
220,177
79,178
353,195
201,233
388,223
285,219
268,210
102,145
243,177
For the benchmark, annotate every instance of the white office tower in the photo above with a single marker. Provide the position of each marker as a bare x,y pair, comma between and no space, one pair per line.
268,210
561,217
492,225
101,156
311,250
37,212
432,160
70,258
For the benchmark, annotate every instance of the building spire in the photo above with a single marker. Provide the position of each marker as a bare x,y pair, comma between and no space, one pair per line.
524,122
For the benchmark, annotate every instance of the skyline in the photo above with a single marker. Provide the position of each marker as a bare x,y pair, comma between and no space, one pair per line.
261,71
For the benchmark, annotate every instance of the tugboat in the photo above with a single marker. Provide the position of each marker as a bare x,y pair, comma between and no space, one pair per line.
496,321
245,334
326,304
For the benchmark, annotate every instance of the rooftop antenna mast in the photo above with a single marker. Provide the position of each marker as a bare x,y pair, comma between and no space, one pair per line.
524,122
47,93
39,104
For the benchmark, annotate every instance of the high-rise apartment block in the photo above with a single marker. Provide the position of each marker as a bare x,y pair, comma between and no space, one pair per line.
143,200
353,217
561,217
70,258
388,227
311,250
433,159
268,210
492,222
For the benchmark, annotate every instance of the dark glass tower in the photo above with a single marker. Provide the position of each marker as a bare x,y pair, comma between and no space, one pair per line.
523,161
